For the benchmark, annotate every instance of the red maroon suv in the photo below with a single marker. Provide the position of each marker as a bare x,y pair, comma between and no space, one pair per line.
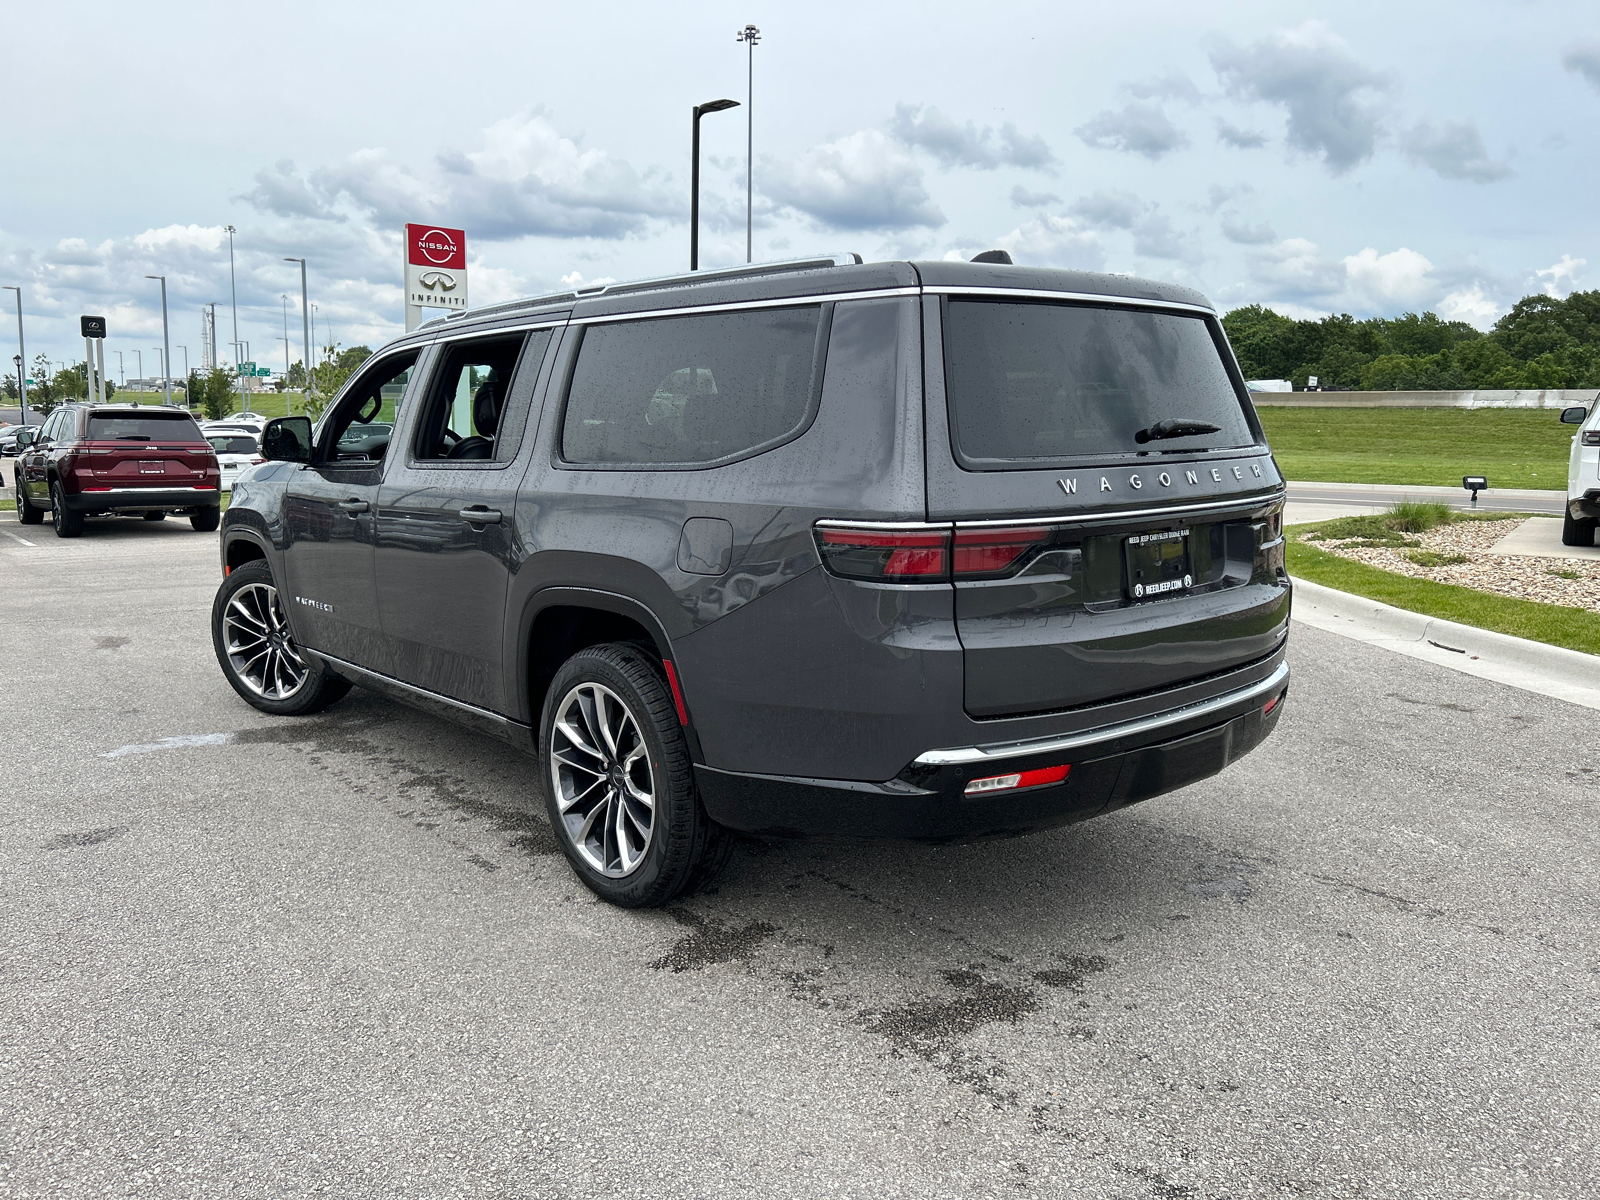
90,460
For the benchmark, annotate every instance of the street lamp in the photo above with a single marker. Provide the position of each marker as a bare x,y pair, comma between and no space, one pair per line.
22,354
185,350
138,361
233,289
749,35
286,409
700,110
122,378
305,327
166,343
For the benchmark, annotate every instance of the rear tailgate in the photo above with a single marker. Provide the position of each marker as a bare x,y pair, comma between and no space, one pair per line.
1089,565
145,450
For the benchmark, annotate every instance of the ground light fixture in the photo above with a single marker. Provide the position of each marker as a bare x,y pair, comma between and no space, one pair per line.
1475,484
700,110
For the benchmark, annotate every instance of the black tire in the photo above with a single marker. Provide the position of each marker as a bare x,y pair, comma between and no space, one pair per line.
155,516
1577,532
26,512
206,520
319,688
685,848
68,524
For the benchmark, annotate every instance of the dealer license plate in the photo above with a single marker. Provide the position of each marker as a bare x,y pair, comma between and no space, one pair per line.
1158,564
152,466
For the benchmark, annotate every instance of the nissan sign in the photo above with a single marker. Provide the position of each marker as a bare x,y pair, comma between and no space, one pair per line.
435,270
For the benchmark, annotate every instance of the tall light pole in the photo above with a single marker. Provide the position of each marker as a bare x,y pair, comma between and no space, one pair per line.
22,354
286,410
166,343
185,350
700,110
122,378
138,362
166,391
749,35
305,326
233,289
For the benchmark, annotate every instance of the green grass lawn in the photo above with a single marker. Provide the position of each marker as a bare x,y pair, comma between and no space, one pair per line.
1555,624
1515,448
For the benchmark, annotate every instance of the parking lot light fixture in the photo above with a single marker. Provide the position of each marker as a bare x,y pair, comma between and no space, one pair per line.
166,344
750,36
233,289
305,327
22,354
700,110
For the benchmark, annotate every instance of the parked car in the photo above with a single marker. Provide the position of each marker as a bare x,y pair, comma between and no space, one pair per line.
8,439
251,423
365,441
1583,477
908,550
90,460
236,452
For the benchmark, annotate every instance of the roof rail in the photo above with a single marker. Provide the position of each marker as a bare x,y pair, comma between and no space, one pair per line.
783,267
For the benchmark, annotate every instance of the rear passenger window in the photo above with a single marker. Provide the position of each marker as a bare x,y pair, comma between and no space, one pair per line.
690,391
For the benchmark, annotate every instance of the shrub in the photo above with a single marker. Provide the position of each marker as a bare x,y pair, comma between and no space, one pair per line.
1432,558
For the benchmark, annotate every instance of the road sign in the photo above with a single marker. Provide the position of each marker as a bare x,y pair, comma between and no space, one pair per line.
263,372
92,327
247,368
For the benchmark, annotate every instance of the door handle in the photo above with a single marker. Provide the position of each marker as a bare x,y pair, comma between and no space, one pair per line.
488,516
354,506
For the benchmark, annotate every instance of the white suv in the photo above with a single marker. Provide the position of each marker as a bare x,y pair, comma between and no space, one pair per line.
1583,477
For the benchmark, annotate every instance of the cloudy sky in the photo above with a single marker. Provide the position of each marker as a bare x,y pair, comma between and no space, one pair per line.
1360,157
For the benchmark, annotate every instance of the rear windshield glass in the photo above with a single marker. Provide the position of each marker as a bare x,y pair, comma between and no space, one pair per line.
691,390
233,444
143,427
1056,381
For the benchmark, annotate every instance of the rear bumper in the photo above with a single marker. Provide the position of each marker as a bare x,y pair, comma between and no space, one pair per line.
1112,766
120,499
1585,507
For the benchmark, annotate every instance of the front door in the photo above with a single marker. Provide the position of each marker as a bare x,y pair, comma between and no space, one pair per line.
329,517
444,519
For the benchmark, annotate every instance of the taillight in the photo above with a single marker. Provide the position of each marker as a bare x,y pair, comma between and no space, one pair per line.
1018,780
1591,437
906,556
981,553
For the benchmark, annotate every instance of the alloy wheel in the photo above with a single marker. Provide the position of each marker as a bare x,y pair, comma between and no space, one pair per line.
261,650
604,785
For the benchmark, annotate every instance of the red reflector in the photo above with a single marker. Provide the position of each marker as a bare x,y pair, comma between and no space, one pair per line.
94,489
677,693
991,551
1272,704
1019,780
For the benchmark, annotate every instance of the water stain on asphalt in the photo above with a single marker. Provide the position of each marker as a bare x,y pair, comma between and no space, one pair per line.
1079,967
925,1025
105,641
87,837
1450,705
1234,889
711,942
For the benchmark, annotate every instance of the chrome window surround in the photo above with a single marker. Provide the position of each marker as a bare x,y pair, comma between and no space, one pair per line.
1075,297
1106,733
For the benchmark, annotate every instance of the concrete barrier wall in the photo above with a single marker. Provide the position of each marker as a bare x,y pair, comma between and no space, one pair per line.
1549,398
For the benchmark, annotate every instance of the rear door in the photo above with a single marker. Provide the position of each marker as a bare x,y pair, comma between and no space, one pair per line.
445,516
1115,507
329,521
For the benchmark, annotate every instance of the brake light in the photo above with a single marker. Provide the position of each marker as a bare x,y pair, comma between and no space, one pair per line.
1018,780
914,556
1591,437
983,552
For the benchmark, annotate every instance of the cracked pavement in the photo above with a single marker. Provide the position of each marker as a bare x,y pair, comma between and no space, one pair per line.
343,955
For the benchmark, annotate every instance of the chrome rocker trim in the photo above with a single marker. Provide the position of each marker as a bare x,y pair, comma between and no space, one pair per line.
1106,733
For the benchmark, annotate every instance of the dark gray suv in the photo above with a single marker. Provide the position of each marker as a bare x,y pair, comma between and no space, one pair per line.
905,550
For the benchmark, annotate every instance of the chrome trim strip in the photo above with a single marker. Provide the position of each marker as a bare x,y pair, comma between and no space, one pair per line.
440,697
1105,733
1133,513
1092,297
908,526
143,491
458,335
736,305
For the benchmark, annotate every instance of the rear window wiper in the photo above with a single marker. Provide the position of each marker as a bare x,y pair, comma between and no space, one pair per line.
132,437
1175,427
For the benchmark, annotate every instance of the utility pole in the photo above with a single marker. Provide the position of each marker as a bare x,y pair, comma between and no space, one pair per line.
122,378
749,35
305,330
22,354
186,396
233,290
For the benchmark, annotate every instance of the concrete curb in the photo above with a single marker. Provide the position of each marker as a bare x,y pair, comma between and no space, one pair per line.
1532,666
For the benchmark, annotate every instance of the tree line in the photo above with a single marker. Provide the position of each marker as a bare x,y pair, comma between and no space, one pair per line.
1542,342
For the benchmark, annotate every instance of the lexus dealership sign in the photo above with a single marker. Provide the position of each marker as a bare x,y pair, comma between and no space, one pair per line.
436,272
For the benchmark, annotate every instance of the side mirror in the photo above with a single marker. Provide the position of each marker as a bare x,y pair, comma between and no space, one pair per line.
1574,415
287,439
25,438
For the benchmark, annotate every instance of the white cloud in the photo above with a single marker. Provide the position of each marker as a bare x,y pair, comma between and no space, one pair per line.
967,145
1585,61
1137,128
1400,279
1471,305
1559,278
864,180
1248,235
1048,241
1240,139
1023,198
1454,150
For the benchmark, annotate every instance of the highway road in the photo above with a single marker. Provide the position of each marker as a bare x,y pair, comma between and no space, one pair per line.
341,956
1361,498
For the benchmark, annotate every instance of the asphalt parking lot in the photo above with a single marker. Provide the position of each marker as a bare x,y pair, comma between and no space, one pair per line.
249,956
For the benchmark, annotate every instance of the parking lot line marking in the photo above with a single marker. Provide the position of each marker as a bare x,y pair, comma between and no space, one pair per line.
22,539
172,743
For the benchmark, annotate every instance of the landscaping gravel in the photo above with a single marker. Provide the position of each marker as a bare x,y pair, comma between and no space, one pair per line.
1518,576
